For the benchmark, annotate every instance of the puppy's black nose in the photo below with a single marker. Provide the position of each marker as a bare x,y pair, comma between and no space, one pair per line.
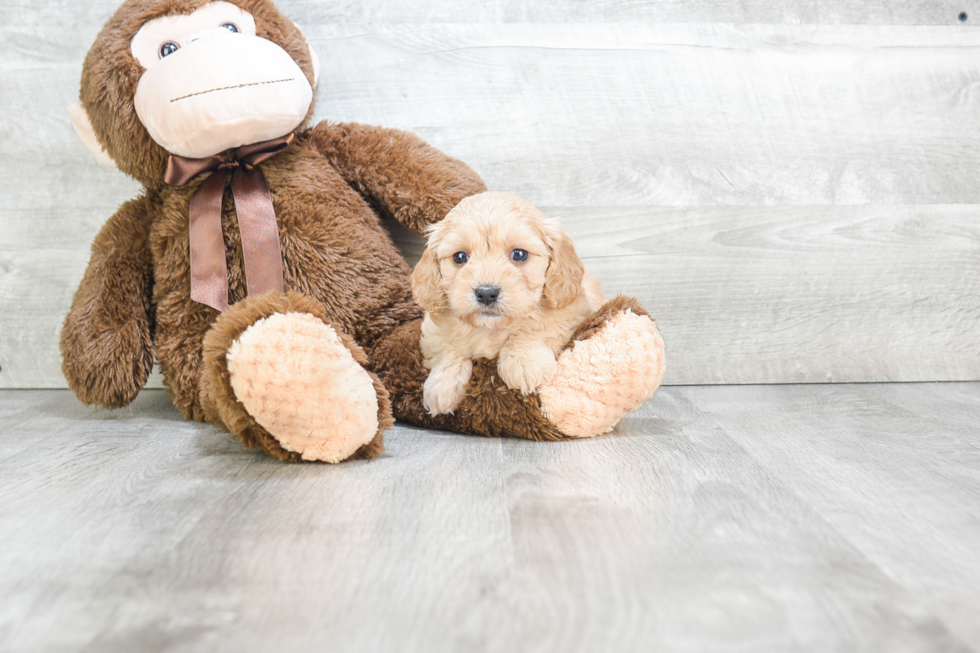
487,295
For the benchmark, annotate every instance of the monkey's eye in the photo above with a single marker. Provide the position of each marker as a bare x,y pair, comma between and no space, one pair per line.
518,255
168,49
231,27
460,257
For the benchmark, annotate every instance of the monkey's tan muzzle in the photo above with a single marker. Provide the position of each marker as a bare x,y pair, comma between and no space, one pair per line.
222,92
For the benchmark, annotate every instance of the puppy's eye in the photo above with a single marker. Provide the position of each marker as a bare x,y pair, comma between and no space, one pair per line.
231,27
518,255
461,257
168,49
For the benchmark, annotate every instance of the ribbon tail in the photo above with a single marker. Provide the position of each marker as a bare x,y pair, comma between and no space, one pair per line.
209,271
260,231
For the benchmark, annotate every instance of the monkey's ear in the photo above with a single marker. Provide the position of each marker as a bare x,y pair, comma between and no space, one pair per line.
426,287
83,127
316,65
313,57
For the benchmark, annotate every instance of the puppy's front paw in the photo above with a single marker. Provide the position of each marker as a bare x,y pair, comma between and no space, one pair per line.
442,391
527,369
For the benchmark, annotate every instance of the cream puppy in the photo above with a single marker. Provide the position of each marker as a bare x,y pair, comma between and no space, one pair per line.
497,280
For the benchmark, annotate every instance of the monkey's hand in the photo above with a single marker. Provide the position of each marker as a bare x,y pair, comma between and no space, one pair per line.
404,176
106,341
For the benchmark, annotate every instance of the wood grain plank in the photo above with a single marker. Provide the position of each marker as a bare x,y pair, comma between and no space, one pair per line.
793,203
679,115
135,530
741,295
915,444
876,12
801,294
597,115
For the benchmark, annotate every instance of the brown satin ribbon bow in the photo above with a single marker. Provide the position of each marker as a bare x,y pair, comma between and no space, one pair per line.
256,220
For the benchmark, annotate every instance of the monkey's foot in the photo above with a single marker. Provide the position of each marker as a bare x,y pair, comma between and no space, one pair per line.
278,376
297,379
615,365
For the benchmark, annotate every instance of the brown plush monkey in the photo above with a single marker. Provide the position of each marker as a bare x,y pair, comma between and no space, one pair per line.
254,264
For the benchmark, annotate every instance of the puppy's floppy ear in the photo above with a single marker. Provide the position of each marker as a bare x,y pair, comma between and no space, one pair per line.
426,283
563,281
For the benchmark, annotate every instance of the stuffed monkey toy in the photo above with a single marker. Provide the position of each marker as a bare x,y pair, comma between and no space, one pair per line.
254,264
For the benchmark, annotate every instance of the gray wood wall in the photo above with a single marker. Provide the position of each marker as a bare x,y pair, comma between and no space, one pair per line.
790,188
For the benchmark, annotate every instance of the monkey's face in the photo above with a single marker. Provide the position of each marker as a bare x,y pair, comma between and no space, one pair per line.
192,78
211,84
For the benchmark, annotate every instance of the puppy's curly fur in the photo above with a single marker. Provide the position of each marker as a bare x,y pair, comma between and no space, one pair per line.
539,294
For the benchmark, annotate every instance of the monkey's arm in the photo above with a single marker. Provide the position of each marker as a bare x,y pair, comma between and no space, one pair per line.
106,343
402,175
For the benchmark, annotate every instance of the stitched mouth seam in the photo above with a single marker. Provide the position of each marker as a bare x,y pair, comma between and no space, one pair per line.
228,88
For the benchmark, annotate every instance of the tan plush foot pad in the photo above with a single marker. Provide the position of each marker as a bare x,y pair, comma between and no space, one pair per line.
293,374
602,378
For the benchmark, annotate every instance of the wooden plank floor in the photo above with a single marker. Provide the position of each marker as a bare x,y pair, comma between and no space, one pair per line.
733,518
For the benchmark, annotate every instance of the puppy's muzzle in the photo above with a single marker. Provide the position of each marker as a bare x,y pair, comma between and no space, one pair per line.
487,295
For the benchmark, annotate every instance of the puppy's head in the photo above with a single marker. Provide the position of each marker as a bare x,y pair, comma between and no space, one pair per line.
493,260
